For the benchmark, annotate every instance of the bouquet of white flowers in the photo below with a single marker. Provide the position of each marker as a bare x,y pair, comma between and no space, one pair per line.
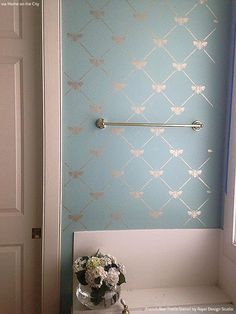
101,273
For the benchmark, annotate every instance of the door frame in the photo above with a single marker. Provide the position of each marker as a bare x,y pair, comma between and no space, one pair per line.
51,229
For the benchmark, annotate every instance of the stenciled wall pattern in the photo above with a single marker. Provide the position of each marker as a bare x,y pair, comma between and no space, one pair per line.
149,61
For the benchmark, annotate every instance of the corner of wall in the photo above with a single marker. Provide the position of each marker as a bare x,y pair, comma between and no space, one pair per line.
231,56
230,88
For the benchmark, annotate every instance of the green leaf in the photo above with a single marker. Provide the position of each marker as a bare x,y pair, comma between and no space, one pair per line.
96,296
121,279
97,280
107,267
103,289
114,298
81,277
96,299
84,258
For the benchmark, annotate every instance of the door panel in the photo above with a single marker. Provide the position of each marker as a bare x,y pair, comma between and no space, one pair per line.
10,136
10,22
11,262
20,159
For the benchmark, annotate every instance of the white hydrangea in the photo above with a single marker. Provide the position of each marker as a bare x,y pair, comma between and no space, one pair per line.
105,261
112,258
94,273
79,264
121,268
112,278
99,269
93,262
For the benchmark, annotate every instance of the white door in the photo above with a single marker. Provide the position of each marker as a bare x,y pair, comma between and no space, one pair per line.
20,157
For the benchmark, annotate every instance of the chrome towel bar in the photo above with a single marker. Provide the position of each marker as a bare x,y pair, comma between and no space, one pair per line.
196,125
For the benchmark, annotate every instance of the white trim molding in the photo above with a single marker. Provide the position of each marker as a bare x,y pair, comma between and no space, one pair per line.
227,269
229,246
234,212
51,243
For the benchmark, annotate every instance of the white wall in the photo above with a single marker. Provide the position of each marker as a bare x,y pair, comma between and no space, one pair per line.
228,277
158,258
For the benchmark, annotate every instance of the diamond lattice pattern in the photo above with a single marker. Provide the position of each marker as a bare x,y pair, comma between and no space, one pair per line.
148,61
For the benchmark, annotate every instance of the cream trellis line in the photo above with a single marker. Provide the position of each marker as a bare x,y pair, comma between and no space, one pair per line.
144,70
187,13
182,105
128,97
168,52
75,218
202,48
195,213
146,184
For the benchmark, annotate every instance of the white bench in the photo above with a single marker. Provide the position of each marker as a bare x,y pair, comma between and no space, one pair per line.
164,267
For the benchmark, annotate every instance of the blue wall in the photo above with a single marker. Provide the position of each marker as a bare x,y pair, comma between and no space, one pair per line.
149,61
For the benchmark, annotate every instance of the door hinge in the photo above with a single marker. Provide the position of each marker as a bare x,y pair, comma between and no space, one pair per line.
36,233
